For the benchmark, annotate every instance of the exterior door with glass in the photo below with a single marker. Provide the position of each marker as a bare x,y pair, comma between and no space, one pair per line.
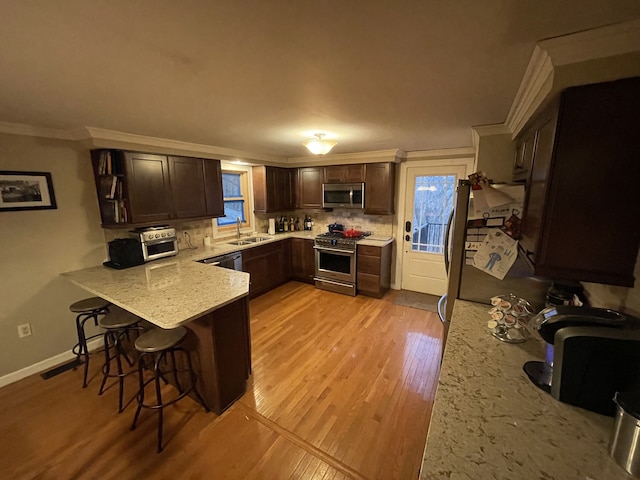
429,201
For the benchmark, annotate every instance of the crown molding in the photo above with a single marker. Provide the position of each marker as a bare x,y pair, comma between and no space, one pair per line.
441,153
534,87
538,79
102,138
392,155
93,137
606,41
488,130
44,132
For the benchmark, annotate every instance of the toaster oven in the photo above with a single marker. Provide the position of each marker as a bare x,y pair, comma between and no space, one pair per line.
156,242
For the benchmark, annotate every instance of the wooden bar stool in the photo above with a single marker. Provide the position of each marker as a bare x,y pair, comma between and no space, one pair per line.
163,345
86,309
118,324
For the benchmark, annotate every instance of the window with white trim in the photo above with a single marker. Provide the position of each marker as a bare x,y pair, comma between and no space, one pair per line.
235,193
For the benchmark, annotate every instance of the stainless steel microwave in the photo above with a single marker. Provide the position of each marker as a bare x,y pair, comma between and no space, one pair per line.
343,195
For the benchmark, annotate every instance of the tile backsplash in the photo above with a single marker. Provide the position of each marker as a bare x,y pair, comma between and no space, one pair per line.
378,225
187,232
195,231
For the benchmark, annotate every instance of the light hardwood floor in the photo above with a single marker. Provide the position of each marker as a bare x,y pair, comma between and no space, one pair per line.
342,387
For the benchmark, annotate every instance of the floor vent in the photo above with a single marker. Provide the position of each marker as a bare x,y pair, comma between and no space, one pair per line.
61,368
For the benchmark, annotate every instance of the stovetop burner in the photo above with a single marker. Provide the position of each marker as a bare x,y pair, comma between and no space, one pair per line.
337,240
341,235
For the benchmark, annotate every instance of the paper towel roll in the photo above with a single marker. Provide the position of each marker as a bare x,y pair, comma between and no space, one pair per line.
272,226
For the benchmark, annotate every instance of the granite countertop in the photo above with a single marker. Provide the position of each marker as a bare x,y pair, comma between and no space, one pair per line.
375,241
175,290
490,421
223,247
167,292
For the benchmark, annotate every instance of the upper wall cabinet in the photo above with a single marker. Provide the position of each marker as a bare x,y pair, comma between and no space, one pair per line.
141,188
379,188
344,173
581,219
273,189
213,194
310,181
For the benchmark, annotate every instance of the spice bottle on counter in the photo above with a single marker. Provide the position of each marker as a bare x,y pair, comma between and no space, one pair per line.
285,225
297,224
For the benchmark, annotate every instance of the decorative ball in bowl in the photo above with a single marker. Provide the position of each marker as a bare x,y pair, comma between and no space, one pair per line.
509,315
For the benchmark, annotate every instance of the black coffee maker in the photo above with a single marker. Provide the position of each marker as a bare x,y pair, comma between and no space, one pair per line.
591,354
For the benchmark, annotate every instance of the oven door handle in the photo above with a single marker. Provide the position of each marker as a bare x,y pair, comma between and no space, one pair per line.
335,250
332,282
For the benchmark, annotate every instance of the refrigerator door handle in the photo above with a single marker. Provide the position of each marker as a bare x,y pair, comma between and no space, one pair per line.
447,241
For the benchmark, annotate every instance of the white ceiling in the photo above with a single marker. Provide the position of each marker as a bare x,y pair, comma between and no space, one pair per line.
261,76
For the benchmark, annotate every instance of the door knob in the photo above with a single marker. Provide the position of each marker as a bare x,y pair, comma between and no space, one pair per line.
407,238
407,227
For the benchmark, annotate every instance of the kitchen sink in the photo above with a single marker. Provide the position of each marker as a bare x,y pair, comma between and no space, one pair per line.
248,241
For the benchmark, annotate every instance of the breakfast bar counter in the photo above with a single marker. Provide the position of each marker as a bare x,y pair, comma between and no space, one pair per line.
168,292
212,302
490,421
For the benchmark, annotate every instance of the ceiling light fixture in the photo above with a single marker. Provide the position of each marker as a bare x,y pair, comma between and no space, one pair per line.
318,146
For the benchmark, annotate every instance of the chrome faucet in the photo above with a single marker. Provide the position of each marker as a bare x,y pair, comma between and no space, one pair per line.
238,224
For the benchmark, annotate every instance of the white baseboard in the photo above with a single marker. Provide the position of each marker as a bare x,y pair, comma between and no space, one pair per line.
46,364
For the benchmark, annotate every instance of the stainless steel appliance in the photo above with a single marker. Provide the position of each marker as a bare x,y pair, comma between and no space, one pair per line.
232,261
592,354
335,266
465,231
343,195
156,242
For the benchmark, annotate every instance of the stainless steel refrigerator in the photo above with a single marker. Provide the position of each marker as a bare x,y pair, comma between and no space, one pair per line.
467,227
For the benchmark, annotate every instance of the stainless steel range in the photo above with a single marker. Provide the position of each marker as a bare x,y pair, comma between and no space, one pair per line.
335,263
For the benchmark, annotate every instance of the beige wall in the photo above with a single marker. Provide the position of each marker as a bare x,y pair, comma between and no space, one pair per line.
495,157
617,298
36,246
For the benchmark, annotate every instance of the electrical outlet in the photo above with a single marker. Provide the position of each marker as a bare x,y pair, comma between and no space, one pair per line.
24,330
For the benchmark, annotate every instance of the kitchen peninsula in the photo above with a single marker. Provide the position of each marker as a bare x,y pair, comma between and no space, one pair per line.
490,421
211,302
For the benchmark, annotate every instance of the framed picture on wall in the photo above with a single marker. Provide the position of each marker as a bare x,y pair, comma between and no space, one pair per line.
26,191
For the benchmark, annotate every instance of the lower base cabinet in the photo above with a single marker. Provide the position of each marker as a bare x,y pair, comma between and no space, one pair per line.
302,260
267,265
373,267
273,264
220,346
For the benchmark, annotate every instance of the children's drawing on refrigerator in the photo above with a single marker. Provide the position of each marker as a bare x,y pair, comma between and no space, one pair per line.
496,254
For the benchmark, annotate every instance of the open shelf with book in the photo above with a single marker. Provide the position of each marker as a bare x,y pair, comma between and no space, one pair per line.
110,179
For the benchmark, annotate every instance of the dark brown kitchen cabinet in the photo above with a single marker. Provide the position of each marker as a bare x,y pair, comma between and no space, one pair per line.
344,173
580,220
302,260
310,181
214,199
267,266
373,267
273,189
186,173
379,188
149,188
140,188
